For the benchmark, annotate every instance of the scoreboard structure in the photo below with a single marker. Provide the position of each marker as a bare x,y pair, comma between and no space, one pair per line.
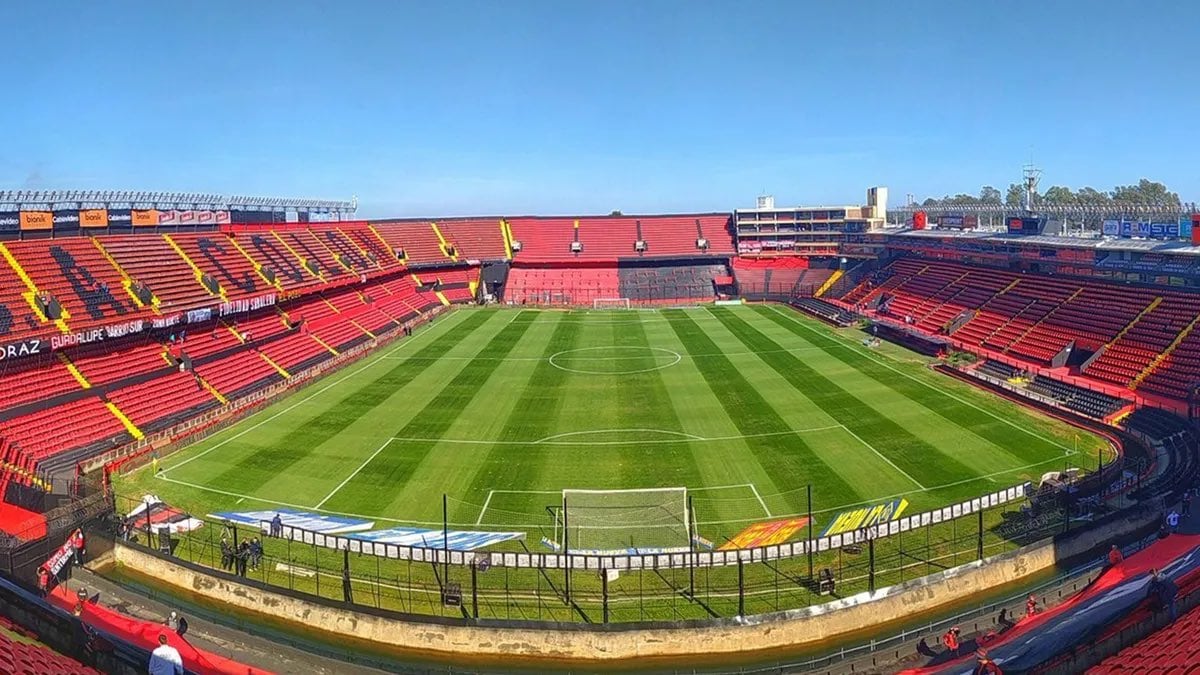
36,212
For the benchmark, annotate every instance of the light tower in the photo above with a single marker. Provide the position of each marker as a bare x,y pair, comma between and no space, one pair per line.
1032,175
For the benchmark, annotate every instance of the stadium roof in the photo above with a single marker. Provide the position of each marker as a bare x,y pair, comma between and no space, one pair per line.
171,200
1176,247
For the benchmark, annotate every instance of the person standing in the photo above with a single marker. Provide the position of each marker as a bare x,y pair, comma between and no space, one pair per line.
1173,521
1162,592
1115,557
165,659
1031,606
950,640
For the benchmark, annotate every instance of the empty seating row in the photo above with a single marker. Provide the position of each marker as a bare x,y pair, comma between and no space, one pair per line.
561,286
57,407
667,283
1143,335
609,238
24,658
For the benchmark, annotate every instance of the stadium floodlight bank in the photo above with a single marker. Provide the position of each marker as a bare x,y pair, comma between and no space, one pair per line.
620,522
611,303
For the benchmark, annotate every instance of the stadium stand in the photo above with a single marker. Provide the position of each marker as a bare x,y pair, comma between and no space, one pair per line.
19,657
561,286
1173,649
668,283
482,238
109,381
611,238
419,241
780,278
1137,337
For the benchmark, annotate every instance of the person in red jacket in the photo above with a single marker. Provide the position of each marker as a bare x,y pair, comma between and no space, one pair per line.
950,640
1115,557
1031,607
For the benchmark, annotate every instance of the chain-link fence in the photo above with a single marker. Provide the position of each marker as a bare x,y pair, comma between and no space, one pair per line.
521,582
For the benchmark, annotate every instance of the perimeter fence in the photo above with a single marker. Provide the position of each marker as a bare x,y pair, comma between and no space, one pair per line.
521,581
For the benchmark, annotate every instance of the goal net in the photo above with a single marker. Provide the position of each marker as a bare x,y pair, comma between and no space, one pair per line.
610,303
618,521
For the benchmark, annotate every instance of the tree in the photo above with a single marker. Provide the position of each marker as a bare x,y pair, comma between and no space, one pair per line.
616,213
1058,195
930,201
1090,195
989,195
1015,195
1145,192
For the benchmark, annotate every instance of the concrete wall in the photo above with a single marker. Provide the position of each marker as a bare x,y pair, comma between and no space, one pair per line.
785,630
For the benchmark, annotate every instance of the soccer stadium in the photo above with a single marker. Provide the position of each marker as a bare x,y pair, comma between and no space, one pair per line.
564,390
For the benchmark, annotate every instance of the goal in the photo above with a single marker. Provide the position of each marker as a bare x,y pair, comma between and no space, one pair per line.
619,521
610,303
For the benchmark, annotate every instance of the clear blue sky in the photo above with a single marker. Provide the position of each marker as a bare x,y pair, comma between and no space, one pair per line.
507,107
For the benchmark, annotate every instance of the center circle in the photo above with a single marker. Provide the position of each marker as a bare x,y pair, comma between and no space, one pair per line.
609,360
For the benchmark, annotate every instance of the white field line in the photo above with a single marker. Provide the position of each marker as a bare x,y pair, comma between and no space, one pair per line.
368,363
351,476
760,500
855,347
689,438
483,510
788,350
883,457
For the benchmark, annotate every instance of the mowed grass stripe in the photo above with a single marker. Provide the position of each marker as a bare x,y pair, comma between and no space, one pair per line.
536,415
1029,447
721,463
746,407
643,403
983,456
303,440
377,484
912,454
451,466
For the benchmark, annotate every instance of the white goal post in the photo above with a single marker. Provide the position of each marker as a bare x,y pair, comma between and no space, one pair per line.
610,303
620,521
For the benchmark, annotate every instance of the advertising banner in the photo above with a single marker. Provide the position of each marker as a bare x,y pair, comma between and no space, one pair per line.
168,217
205,217
93,218
10,221
185,217
36,220
145,218
66,220
221,217
120,219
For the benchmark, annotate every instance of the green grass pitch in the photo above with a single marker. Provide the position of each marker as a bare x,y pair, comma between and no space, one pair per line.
502,409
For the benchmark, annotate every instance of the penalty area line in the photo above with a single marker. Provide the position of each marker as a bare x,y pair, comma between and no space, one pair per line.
760,500
351,476
479,520
883,457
